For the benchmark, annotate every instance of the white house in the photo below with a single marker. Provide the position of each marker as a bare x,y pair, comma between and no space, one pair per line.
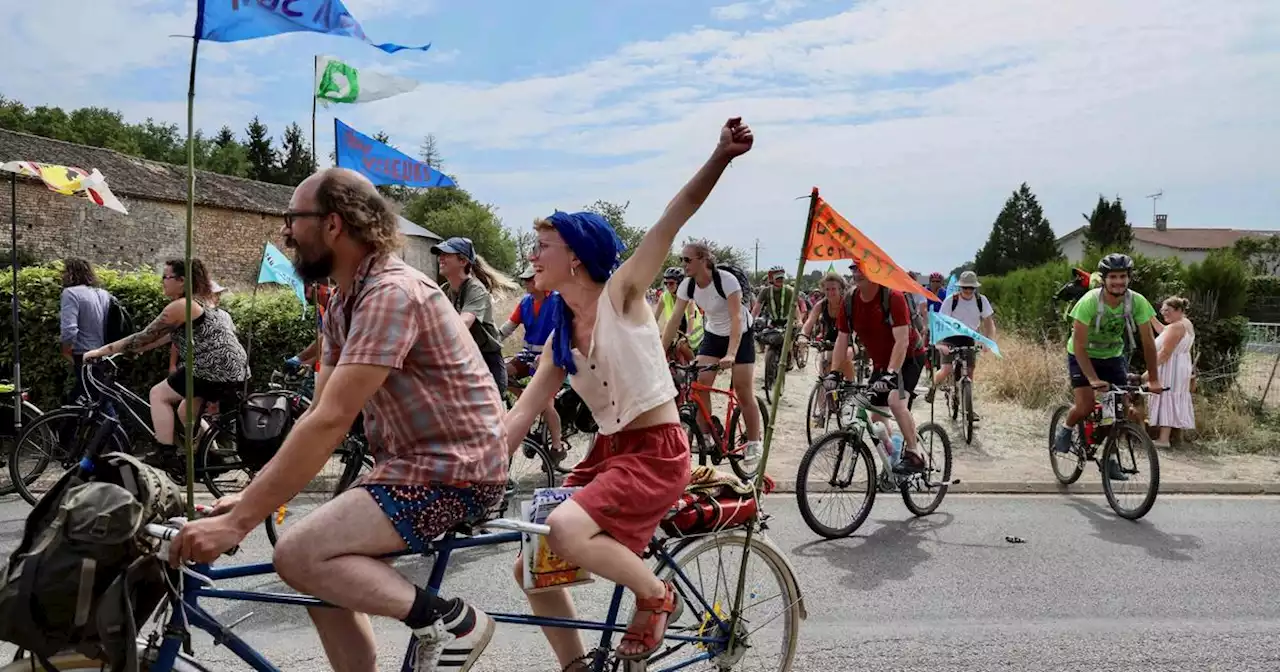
1191,245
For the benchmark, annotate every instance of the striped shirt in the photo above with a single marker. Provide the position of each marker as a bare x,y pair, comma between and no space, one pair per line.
438,416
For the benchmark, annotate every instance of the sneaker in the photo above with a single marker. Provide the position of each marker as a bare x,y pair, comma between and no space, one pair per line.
912,462
1062,442
928,398
751,452
453,642
1114,472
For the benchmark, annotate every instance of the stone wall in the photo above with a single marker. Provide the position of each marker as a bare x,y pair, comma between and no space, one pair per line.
52,226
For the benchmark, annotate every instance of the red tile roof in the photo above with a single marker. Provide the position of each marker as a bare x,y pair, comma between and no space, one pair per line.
1195,239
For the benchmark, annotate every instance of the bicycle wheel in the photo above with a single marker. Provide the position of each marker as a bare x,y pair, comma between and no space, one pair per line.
529,469
1136,457
76,661
772,609
770,371
833,462
934,482
346,464
697,442
737,439
1067,467
58,438
966,400
7,443
218,463
816,422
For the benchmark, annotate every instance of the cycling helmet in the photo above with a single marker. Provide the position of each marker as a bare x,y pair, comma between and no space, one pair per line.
673,273
935,276
1115,262
777,269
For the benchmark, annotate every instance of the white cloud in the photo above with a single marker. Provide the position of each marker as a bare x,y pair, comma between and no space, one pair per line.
770,10
735,12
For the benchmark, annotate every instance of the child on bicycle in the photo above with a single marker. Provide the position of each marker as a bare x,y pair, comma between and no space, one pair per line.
608,343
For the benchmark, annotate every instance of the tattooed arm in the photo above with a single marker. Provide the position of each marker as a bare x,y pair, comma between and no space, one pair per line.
156,334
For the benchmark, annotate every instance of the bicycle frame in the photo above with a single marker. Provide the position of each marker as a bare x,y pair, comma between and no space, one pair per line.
193,615
688,395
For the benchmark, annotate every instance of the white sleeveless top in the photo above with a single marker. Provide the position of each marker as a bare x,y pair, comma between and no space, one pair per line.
626,373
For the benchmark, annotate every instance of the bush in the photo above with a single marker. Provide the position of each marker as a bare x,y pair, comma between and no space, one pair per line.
1217,351
1220,283
1023,300
280,329
1263,287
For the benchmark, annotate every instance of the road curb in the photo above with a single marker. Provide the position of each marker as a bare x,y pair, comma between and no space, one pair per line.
1090,488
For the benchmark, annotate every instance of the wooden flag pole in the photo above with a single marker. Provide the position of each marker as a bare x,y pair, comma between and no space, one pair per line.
787,338
189,425
17,346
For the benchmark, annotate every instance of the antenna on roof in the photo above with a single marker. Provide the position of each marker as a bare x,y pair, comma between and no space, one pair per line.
1155,197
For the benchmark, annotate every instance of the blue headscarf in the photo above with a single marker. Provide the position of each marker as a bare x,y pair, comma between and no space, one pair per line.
598,247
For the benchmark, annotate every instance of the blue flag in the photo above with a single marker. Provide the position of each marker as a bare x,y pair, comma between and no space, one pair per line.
944,326
952,287
383,164
235,20
276,268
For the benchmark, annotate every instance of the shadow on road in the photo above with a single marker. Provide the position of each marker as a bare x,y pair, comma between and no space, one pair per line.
890,553
1141,533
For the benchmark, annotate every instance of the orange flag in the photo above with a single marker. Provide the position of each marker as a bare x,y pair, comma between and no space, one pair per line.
833,237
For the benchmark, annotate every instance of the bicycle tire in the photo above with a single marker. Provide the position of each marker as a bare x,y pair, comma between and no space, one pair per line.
206,472
76,661
857,451
943,485
29,415
1058,417
351,470
814,396
695,437
1111,450
770,372
21,485
966,399
509,507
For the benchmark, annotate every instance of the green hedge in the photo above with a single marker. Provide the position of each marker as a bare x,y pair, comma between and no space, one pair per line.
279,328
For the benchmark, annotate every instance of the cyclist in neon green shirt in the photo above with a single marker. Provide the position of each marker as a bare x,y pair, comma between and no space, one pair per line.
690,323
1106,323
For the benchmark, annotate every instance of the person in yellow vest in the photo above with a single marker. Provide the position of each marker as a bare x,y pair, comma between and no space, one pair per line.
691,322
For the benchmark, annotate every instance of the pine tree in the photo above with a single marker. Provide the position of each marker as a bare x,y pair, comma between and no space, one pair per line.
296,164
1020,237
262,156
429,151
1108,229
224,137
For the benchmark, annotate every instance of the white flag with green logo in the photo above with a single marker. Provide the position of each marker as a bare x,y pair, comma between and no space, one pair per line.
338,82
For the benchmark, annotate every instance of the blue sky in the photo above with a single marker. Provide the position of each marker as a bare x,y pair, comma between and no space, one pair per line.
916,118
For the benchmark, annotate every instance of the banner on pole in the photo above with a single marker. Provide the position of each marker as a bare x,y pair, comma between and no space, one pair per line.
832,237
339,82
944,326
69,181
236,20
381,163
277,269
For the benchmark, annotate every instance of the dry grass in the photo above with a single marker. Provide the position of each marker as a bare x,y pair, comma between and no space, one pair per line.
1031,374
1231,423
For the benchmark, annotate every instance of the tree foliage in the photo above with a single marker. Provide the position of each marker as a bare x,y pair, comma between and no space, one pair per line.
1020,237
1261,253
1108,227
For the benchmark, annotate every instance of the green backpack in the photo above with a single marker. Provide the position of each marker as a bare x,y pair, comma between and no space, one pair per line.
84,576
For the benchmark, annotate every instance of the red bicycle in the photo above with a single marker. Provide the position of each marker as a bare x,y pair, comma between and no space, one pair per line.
695,415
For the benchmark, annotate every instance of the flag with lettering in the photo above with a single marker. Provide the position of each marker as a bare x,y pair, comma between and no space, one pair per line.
944,326
236,20
832,237
69,181
339,82
276,268
381,163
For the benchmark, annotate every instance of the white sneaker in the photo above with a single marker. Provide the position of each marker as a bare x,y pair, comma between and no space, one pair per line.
751,453
454,645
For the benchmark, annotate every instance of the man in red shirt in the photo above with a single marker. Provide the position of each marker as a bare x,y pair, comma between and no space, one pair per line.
897,354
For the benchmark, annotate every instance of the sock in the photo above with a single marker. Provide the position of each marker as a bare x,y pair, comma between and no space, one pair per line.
427,608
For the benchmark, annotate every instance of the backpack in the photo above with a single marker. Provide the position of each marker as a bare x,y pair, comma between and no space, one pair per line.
83,577
915,319
264,420
955,301
117,324
748,294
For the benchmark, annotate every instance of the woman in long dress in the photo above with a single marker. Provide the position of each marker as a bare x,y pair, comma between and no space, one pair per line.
1172,409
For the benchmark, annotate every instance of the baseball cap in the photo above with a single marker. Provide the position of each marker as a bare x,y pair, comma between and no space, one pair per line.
217,289
456,245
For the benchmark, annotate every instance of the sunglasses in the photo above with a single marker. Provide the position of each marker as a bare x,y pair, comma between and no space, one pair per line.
687,260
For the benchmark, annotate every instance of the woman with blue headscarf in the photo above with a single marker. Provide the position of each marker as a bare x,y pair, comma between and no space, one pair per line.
607,342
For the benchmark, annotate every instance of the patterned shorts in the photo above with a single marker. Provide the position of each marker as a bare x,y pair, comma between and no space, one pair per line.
420,513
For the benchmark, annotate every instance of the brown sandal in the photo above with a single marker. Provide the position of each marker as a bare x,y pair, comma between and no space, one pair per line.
659,610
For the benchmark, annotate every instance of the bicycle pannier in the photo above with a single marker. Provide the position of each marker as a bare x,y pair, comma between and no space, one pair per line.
82,577
265,419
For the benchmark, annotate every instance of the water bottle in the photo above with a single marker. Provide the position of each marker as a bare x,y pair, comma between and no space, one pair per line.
895,455
882,434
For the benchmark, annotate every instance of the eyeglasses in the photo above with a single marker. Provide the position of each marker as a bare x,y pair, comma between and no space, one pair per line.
687,260
291,217
539,247
171,277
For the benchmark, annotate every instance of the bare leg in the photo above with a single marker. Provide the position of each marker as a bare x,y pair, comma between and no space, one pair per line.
1166,433
330,554
1084,401
576,538
707,378
565,642
743,375
163,399
906,422
553,424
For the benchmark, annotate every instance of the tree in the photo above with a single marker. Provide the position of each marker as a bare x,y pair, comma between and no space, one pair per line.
225,137
449,212
296,165
262,156
616,215
1261,253
1020,237
966,266
1108,229
430,152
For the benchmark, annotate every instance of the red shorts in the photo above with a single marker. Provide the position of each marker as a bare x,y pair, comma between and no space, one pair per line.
631,479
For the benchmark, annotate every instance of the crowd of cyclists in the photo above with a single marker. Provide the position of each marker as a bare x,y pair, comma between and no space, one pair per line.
419,367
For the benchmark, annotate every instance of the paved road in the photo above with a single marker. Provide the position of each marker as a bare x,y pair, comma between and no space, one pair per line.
1192,587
